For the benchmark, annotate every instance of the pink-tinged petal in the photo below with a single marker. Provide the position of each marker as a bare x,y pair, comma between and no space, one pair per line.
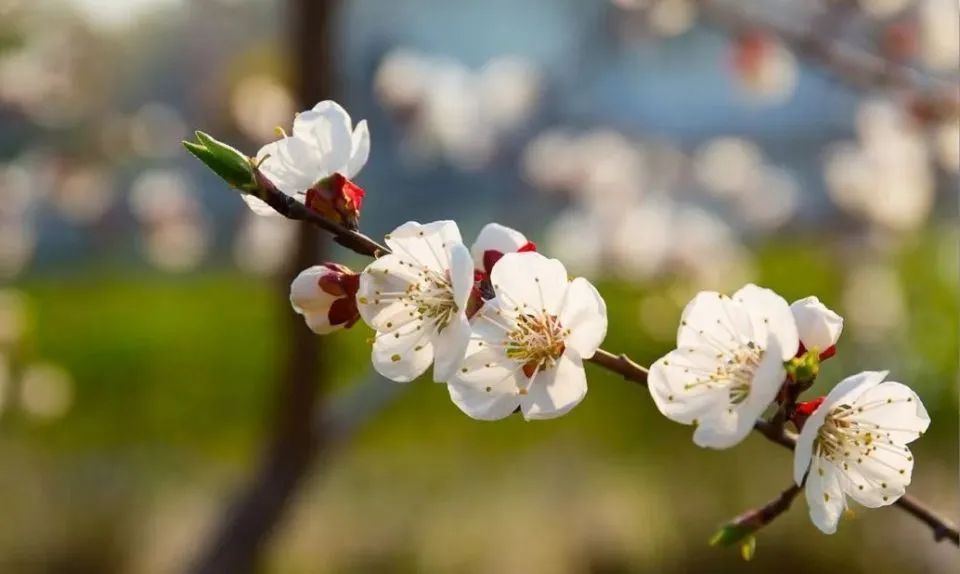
498,239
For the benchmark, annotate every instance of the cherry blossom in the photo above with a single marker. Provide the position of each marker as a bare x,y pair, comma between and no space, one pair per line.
854,444
416,300
326,297
324,143
494,242
728,365
818,326
529,342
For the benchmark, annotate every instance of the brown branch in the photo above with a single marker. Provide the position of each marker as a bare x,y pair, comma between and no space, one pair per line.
933,97
619,364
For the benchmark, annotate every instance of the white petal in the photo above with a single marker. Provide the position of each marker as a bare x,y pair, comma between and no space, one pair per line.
895,409
584,313
675,385
847,390
824,496
770,313
461,274
319,322
258,207
531,281
712,320
767,380
385,275
449,346
555,391
722,428
482,405
880,477
817,326
291,164
327,129
403,355
496,237
803,453
305,291
425,245
360,151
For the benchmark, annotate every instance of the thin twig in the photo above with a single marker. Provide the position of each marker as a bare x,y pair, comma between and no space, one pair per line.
619,364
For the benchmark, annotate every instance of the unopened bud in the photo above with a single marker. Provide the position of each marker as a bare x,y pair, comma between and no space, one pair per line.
230,164
337,199
326,296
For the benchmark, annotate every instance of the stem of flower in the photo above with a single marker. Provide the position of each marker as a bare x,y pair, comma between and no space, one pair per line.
619,364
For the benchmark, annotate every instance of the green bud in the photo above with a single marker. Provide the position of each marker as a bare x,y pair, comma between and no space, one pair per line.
234,167
731,533
803,370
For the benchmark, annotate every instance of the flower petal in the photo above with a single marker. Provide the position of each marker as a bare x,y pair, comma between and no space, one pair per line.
824,496
818,326
555,391
290,164
584,314
425,245
461,274
384,276
530,280
360,151
403,355
449,346
676,385
712,319
894,409
495,237
770,313
327,131
721,428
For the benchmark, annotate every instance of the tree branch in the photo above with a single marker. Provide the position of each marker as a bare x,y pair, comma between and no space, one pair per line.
619,364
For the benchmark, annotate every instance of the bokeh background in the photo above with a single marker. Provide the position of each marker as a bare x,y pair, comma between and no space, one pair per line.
659,147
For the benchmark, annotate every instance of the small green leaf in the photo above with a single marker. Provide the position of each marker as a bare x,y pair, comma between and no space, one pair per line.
748,547
226,161
729,534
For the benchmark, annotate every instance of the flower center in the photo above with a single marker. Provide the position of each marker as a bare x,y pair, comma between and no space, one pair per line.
537,341
430,299
735,371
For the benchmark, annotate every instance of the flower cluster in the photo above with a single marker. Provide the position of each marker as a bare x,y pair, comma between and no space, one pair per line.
507,330
738,356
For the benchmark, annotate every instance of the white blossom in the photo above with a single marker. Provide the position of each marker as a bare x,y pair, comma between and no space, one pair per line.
416,299
494,242
854,445
728,365
818,326
323,142
529,342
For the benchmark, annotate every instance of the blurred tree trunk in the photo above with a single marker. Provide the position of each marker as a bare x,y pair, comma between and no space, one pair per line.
237,544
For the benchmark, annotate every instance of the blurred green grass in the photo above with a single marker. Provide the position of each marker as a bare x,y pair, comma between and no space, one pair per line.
174,380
